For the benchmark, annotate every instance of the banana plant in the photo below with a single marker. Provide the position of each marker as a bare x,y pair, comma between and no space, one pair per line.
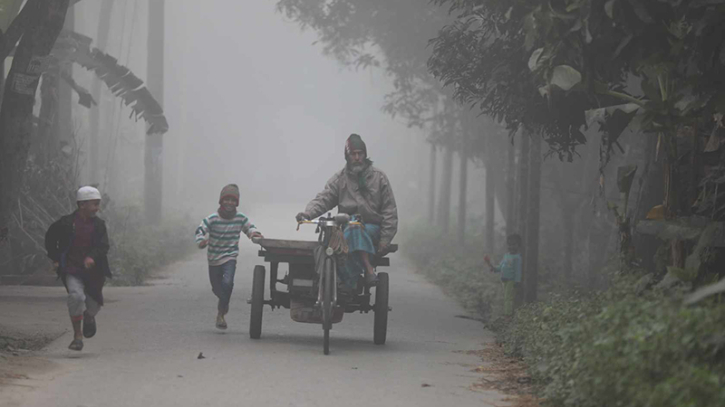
76,48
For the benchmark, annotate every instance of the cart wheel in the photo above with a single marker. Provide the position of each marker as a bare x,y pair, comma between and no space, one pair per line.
255,319
327,294
381,309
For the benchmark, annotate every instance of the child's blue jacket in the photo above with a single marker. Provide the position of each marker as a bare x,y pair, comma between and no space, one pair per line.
510,267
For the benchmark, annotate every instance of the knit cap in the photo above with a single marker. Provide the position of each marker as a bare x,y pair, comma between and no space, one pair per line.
354,142
229,191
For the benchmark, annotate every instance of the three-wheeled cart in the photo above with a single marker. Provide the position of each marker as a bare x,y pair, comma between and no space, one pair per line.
314,297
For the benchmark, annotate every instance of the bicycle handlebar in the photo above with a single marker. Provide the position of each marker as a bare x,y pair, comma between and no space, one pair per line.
326,222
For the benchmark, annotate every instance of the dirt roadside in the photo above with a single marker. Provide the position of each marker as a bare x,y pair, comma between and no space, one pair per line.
31,318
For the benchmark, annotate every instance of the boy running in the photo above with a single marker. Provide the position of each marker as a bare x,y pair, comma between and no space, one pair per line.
78,246
220,231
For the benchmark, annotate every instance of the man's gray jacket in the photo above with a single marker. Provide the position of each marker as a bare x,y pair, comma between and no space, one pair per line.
376,205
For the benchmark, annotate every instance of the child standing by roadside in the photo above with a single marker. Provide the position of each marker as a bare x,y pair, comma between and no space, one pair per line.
78,246
510,269
220,231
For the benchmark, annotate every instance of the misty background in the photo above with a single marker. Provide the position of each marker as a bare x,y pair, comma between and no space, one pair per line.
251,100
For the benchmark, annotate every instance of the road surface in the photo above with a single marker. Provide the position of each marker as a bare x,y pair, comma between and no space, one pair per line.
149,338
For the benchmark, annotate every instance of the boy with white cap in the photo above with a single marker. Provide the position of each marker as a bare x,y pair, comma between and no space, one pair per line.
78,246
220,231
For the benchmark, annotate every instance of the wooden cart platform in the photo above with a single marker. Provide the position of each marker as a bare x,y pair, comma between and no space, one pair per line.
300,252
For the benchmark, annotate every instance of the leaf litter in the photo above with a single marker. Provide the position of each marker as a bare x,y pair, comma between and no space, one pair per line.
504,374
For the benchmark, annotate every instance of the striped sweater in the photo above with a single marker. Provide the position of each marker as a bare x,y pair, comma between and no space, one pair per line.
223,235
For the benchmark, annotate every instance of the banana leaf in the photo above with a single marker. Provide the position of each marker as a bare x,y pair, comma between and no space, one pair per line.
120,80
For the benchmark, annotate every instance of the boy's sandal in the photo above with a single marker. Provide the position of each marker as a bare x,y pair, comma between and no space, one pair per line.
221,323
89,327
371,279
76,345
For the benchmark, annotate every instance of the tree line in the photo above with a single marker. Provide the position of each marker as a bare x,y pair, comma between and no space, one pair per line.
598,121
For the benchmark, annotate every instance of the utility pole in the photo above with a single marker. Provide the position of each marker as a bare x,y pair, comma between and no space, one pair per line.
153,176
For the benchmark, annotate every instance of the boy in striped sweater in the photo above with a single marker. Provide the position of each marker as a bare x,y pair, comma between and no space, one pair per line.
220,231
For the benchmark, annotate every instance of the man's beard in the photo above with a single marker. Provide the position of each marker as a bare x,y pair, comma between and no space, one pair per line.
356,168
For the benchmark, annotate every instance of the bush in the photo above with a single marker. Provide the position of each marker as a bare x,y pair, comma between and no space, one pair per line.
612,348
138,248
618,348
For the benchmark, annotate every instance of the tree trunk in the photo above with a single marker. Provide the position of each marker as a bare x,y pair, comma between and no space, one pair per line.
649,194
597,241
44,23
444,202
523,201
462,193
567,215
47,119
432,185
104,26
64,131
490,209
532,226
153,165
695,171
511,190
2,81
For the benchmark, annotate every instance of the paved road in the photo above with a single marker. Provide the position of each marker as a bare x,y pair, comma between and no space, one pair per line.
145,352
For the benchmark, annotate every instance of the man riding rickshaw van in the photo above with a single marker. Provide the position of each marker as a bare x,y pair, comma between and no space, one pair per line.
363,192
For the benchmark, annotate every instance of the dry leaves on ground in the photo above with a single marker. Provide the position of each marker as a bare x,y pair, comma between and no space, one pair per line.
506,375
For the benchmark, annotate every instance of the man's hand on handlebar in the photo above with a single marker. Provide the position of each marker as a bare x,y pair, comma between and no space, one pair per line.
302,216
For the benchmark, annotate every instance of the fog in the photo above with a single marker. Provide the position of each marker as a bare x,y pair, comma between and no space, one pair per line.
251,100
596,226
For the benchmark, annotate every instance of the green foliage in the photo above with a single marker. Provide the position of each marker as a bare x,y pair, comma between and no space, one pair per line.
460,271
613,348
618,348
137,248
546,63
